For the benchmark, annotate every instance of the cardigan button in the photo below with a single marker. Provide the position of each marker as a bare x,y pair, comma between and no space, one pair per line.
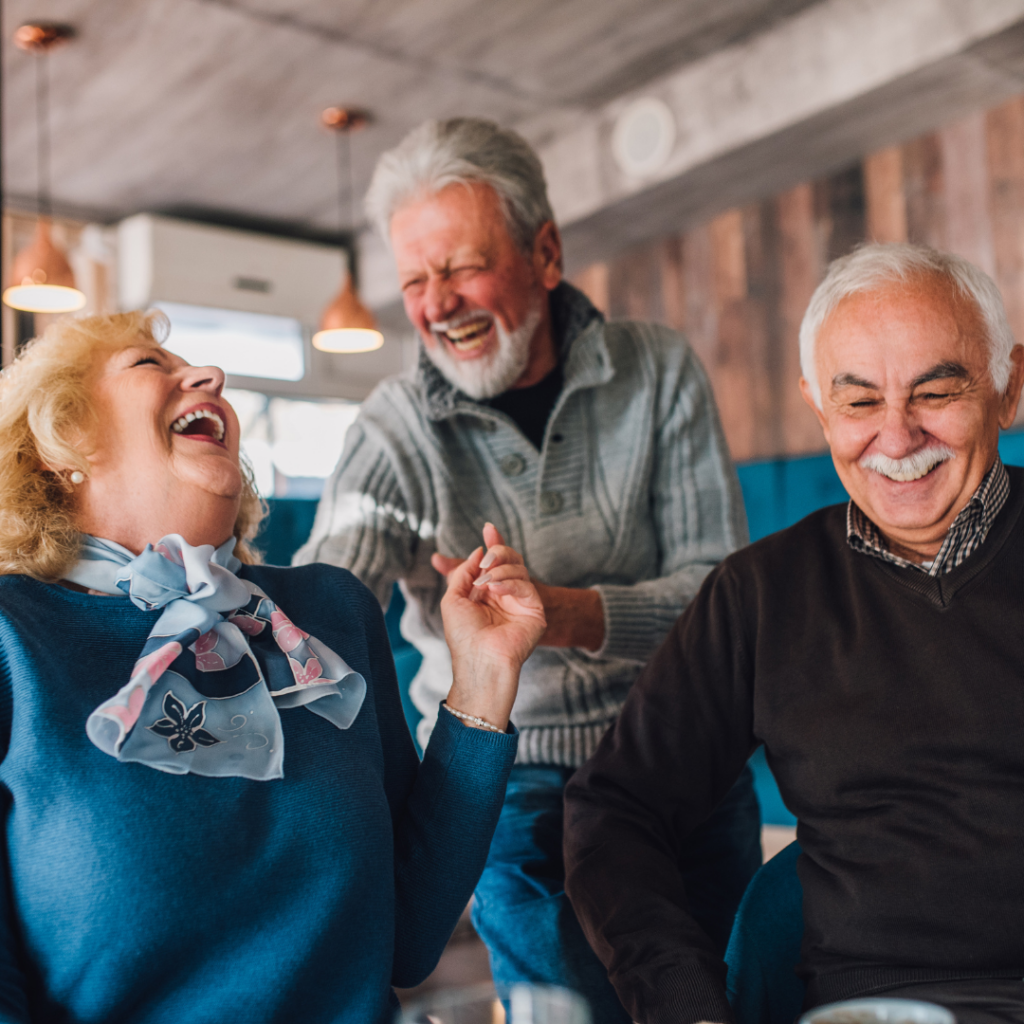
513,465
550,502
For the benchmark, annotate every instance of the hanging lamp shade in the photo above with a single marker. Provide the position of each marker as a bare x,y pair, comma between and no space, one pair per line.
347,325
41,277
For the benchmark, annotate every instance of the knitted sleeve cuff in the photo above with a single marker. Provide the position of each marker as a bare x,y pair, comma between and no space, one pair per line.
451,739
635,620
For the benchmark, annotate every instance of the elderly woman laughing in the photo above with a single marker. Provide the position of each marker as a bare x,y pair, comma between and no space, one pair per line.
214,811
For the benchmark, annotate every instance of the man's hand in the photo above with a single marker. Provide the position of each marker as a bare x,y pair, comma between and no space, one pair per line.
575,617
493,619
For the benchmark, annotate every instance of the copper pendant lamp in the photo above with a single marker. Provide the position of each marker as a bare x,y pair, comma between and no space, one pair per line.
41,277
346,325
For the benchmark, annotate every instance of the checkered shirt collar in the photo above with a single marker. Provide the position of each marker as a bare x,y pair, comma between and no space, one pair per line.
966,534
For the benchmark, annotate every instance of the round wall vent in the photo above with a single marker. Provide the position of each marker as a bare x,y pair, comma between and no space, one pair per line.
643,137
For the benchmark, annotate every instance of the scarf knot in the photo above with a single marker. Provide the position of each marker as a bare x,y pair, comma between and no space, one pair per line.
220,662
179,572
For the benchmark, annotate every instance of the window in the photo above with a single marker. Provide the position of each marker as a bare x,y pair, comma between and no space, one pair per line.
245,344
293,444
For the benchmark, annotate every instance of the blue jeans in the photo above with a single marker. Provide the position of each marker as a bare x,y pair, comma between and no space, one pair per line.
521,912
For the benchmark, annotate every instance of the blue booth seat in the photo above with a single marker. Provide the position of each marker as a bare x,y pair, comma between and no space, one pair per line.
764,947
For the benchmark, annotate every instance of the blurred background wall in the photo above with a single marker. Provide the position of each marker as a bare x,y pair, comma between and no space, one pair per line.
738,283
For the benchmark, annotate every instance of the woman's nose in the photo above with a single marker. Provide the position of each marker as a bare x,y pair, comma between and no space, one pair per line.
203,378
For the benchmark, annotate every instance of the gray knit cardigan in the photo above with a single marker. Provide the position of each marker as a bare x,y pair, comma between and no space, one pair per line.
632,493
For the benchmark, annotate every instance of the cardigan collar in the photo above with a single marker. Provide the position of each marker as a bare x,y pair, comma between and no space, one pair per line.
581,351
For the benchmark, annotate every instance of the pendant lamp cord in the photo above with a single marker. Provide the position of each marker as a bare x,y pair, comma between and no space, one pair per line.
43,134
346,171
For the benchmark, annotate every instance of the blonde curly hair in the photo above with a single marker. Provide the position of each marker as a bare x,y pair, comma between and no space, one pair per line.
45,407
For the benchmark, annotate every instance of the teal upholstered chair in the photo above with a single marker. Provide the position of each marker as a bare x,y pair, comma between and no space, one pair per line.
764,947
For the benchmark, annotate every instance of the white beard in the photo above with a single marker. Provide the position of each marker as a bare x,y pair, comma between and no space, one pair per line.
910,467
492,374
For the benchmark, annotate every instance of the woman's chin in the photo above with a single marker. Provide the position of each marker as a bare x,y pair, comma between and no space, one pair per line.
221,478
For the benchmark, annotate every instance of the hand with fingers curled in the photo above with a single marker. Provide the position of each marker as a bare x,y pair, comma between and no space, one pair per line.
574,615
493,620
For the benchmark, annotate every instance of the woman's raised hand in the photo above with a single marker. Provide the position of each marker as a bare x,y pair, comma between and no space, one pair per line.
493,619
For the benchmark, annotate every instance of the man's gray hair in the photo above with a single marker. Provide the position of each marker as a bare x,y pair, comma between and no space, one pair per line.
875,265
460,151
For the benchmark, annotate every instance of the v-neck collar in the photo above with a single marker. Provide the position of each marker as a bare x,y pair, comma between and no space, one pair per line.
940,590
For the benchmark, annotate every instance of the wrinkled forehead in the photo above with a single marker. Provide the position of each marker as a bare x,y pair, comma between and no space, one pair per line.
107,351
461,215
918,320
105,359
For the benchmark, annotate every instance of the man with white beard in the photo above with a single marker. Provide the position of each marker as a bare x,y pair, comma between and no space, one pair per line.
876,649
594,449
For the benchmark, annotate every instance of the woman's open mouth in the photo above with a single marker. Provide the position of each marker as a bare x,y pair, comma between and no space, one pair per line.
202,423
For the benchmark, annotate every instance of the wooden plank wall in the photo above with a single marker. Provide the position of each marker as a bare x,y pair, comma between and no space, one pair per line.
738,284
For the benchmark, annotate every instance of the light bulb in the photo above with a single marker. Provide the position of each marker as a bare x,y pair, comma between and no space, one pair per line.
44,298
348,339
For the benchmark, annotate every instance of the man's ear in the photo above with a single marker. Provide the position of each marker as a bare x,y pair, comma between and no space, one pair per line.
547,255
805,390
1011,396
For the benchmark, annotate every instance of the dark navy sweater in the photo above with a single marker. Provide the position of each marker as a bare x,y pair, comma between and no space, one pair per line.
131,895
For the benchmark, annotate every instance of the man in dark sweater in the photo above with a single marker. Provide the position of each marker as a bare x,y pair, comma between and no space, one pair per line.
876,649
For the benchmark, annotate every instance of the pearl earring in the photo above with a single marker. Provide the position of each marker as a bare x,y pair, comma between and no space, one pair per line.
77,477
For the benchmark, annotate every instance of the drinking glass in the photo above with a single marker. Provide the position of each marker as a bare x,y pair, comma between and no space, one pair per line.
527,1004
879,1011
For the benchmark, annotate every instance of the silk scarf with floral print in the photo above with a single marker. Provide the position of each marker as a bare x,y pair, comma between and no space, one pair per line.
220,662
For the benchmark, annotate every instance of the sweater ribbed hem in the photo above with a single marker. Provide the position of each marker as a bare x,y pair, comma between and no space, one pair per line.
565,745
853,983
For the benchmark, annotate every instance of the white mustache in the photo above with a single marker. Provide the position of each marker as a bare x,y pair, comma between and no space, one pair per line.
910,467
443,326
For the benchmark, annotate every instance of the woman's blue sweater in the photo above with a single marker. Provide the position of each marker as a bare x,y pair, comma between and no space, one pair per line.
131,895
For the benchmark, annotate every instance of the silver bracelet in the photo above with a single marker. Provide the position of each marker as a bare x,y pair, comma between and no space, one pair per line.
470,718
